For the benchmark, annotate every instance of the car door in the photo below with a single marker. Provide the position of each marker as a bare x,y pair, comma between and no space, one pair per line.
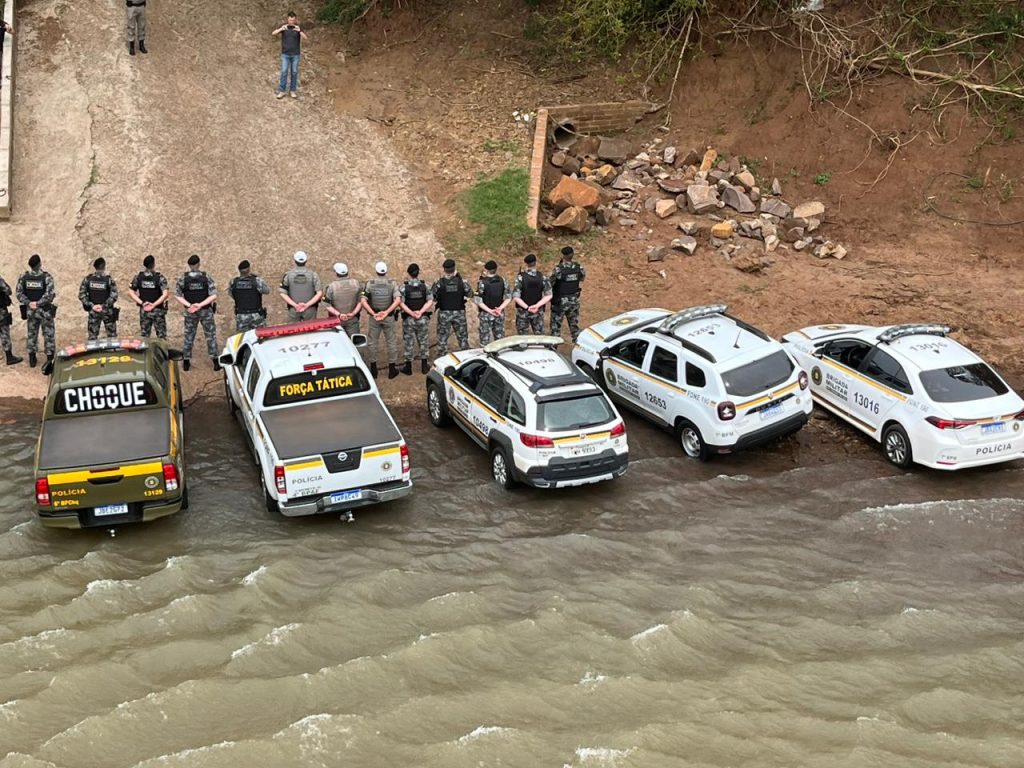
882,386
235,374
622,367
832,380
659,389
492,397
461,391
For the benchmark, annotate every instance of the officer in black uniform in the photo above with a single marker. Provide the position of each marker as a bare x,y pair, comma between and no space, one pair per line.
450,292
493,294
36,293
149,291
197,293
6,320
248,291
98,294
566,283
416,305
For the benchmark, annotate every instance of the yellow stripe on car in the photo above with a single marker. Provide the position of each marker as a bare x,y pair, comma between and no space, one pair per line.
380,452
83,476
578,438
483,405
772,396
888,390
638,372
316,463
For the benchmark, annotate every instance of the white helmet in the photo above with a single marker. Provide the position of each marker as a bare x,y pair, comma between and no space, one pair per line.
380,268
300,257
341,269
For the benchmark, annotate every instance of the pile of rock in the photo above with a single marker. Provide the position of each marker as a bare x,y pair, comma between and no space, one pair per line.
604,182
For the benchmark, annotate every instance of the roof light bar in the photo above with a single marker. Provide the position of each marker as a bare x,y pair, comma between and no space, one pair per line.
913,329
522,342
103,345
303,326
669,324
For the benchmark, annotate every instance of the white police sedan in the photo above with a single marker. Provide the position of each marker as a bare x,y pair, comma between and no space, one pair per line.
925,397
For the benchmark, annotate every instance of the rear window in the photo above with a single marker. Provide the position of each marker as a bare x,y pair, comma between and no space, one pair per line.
91,398
574,413
962,383
314,385
755,377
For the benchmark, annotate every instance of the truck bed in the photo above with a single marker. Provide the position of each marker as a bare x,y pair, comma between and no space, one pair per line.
104,439
328,425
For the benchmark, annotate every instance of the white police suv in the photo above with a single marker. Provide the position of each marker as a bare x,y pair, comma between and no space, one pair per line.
925,397
314,419
719,384
544,422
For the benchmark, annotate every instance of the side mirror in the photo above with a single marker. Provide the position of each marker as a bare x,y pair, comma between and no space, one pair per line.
358,340
175,354
449,372
227,359
818,353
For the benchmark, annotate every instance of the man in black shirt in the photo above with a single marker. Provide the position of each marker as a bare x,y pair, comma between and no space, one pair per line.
291,48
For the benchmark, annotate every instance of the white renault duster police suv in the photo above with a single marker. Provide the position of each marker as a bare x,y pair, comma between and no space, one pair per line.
322,438
719,384
925,397
543,420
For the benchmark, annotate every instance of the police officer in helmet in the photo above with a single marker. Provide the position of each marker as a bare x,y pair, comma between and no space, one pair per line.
566,282
492,296
450,292
36,292
98,294
197,293
416,305
248,291
381,298
149,291
6,320
531,293
344,299
300,289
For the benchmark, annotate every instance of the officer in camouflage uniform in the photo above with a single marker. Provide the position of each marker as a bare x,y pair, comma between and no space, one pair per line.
450,292
566,283
416,306
300,289
149,291
492,296
381,298
532,291
98,294
35,293
344,299
6,319
247,291
197,293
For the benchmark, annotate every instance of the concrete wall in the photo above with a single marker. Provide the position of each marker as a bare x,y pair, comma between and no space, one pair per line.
7,114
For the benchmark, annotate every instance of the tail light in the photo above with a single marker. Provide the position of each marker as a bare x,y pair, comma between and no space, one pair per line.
43,492
935,421
536,441
619,429
279,480
405,458
802,378
1019,416
170,477
727,411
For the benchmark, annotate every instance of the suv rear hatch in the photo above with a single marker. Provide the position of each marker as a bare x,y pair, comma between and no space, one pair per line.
763,391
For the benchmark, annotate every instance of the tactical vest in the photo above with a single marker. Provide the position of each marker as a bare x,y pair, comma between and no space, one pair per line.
300,286
452,294
568,280
247,296
5,300
345,294
380,292
149,286
415,294
532,289
494,291
34,286
99,288
197,287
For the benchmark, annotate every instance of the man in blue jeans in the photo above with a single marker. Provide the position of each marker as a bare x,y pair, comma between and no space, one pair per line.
291,47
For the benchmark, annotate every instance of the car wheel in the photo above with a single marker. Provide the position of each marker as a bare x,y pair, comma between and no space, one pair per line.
501,468
896,446
692,441
232,408
184,499
437,409
271,502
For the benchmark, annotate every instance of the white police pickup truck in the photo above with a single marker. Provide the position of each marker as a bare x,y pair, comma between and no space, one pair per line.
543,421
719,384
313,417
925,397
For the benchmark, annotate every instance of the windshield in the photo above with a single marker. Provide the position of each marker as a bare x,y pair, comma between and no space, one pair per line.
759,375
962,383
576,413
314,385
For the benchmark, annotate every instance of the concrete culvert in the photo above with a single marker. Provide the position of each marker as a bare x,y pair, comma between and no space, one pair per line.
564,134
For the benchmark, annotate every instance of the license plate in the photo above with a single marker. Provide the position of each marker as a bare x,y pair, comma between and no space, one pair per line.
583,450
993,429
341,498
771,411
110,510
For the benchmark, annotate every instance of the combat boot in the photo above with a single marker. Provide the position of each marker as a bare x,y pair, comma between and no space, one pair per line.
407,368
392,370
142,46
12,359
216,363
131,49
424,366
48,365
32,359
373,370
186,364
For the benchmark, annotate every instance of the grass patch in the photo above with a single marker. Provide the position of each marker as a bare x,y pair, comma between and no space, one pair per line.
496,209
499,145
823,178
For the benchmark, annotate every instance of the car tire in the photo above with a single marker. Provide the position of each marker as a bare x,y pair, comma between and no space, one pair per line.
437,408
692,441
232,408
502,468
184,499
271,502
896,446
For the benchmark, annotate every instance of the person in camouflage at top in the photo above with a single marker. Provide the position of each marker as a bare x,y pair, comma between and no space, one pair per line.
149,291
6,320
98,294
197,293
566,282
416,305
247,290
36,292
493,294
450,292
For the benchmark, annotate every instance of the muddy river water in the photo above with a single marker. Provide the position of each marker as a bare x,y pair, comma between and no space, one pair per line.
775,608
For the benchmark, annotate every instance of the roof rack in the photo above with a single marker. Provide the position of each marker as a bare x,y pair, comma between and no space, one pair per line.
303,326
669,324
913,329
103,345
522,342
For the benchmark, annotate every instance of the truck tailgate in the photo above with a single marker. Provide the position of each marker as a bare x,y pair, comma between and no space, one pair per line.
329,426
104,440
